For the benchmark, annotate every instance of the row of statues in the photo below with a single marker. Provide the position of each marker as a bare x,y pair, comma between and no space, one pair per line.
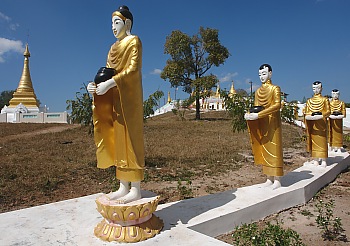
118,117
118,133
322,118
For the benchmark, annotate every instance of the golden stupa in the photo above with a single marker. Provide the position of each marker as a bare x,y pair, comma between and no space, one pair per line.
25,92
169,98
232,90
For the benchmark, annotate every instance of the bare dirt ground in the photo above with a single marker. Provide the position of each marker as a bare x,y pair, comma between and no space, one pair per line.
43,163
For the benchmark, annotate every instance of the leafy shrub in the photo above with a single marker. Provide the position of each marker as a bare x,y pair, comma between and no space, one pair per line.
271,234
331,227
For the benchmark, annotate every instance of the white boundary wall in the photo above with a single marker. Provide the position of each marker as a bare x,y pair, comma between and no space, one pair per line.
60,117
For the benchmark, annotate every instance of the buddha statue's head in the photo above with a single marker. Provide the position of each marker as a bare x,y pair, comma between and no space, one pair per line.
335,94
317,87
122,20
265,72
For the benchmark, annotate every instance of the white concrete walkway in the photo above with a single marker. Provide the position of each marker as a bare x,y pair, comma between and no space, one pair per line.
189,222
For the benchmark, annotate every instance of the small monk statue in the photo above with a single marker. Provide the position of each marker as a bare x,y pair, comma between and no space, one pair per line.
316,111
118,111
264,125
338,112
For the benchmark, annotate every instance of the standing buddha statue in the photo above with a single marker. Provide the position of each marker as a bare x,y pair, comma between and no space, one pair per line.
338,112
316,112
118,111
264,125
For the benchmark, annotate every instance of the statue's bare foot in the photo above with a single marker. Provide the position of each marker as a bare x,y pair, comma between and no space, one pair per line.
133,195
323,164
276,184
315,162
267,183
309,163
122,191
116,195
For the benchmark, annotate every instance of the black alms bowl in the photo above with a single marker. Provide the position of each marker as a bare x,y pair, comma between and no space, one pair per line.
336,113
103,74
316,113
256,109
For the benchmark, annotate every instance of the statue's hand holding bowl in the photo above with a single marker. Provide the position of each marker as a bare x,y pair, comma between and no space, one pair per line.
104,80
251,116
314,116
91,88
336,117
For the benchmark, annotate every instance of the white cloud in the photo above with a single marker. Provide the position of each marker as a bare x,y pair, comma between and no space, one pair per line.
4,17
228,77
14,27
156,71
7,45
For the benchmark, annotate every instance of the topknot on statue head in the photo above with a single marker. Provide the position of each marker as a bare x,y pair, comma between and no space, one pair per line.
125,12
266,65
317,83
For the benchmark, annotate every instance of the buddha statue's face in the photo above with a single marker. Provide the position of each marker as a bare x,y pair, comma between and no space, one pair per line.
317,89
335,94
264,74
119,27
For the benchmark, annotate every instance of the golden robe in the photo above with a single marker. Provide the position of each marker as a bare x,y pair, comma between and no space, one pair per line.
118,114
266,132
335,129
316,130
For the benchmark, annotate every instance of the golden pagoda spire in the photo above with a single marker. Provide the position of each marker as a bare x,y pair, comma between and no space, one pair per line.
25,92
232,90
217,94
169,98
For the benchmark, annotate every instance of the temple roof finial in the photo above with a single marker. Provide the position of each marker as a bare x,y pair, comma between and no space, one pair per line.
26,52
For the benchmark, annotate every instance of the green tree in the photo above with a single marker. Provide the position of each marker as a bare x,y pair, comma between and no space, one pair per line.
242,92
5,98
151,103
191,58
181,107
81,108
289,112
236,106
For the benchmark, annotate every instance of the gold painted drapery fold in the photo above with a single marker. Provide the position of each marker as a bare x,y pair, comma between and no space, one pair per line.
118,114
265,132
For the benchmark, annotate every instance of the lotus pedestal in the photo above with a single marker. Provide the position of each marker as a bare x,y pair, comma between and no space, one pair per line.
128,223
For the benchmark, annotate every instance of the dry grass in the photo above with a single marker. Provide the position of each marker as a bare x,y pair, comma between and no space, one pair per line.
7,129
51,166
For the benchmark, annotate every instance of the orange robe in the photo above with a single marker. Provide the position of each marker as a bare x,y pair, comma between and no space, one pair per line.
266,132
335,137
316,130
118,114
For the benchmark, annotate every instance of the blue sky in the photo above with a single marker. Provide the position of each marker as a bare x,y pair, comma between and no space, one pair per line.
303,41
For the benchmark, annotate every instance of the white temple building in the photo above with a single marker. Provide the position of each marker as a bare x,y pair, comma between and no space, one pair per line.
24,106
214,101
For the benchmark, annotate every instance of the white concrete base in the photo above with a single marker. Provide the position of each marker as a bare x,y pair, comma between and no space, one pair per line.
188,222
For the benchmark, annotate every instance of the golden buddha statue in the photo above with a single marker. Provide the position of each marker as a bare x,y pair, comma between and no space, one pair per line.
118,111
338,112
316,112
264,125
